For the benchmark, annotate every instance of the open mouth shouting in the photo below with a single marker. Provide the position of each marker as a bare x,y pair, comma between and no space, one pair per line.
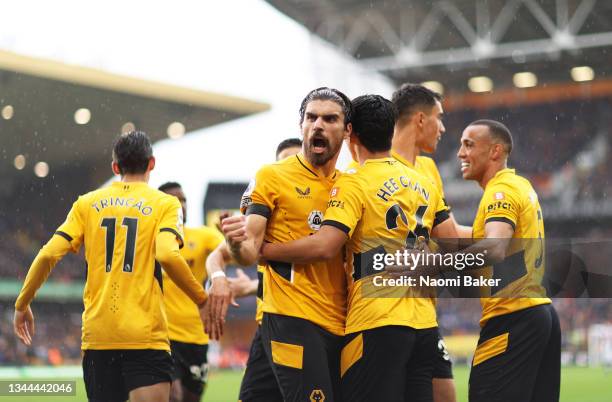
319,144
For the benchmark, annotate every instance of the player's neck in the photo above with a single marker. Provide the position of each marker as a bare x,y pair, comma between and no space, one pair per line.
404,143
135,178
490,173
363,154
328,168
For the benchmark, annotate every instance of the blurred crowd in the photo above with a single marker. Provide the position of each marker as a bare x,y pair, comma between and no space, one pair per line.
558,146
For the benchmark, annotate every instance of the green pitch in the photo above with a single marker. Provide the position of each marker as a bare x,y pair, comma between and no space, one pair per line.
577,385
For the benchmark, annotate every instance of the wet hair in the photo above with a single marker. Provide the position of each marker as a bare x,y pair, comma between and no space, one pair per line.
373,122
410,98
331,94
498,131
288,143
132,152
169,185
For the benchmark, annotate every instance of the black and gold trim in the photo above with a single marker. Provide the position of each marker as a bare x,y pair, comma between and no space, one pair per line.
281,268
259,209
337,225
177,234
502,219
64,235
441,216
305,167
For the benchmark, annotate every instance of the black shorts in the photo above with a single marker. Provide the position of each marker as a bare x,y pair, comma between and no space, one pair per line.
190,365
110,375
259,383
390,363
442,366
305,358
518,358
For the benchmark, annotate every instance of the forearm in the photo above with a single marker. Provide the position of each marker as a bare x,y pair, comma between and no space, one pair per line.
245,253
485,252
301,251
464,232
40,269
218,259
168,255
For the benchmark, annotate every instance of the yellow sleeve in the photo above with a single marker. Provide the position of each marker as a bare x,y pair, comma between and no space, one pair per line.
502,204
73,227
172,219
168,255
41,267
345,205
261,195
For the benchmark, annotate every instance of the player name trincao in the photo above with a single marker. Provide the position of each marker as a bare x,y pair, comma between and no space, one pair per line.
122,202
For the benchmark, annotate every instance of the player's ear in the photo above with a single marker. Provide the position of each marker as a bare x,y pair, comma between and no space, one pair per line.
419,118
115,168
497,151
348,130
151,164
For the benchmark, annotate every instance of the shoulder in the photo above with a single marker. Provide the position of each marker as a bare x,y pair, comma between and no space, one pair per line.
351,175
429,167
511,184
165,201
273,169
427,162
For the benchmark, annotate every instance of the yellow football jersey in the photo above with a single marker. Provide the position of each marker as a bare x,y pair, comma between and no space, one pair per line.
259,299
427,167
352,165
510,198
292,196
383,206
184,323
123,291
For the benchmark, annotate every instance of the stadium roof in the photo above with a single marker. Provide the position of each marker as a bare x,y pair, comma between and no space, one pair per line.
423,40
40,98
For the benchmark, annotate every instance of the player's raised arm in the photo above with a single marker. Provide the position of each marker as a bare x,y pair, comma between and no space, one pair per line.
48,256
323,245
68,237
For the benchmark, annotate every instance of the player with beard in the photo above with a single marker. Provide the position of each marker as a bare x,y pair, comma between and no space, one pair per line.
304,305
379,207
258,379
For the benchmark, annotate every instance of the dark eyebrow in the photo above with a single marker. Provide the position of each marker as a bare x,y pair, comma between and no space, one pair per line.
325,116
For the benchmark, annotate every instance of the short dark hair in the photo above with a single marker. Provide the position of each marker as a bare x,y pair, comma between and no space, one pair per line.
498,131
373,122
288,143
412,97
332,94
168,186
132,152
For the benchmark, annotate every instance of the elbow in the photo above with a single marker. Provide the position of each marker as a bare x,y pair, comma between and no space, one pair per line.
496,255
165,257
